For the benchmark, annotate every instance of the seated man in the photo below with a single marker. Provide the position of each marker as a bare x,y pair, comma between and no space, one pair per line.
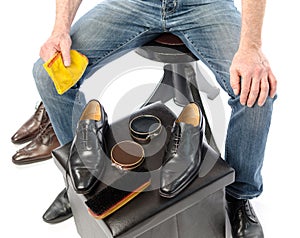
230,45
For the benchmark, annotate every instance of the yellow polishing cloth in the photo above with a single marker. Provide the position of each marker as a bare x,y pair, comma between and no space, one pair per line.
66,77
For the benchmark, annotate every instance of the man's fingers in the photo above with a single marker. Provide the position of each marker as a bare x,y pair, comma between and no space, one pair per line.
235,82
264,91
254,91
47,54
66,57
245,89
65,47
273,84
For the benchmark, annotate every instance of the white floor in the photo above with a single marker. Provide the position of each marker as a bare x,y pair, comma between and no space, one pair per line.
27,191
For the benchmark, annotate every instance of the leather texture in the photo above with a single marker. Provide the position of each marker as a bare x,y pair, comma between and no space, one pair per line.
243,220
166,49
88,152
118,194
39,149
183,154
32,127
59,210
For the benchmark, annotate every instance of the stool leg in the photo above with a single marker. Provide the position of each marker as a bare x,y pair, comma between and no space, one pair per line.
197,98
190,77
204,86
179,82
164,89
180,77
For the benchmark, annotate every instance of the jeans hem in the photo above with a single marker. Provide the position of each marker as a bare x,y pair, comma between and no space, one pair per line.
238,196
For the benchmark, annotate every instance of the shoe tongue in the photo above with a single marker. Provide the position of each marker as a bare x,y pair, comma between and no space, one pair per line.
86,122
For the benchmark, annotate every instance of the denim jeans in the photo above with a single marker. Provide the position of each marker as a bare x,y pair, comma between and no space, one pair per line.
209,28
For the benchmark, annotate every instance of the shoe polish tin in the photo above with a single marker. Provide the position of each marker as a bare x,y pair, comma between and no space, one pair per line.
127,155
144,127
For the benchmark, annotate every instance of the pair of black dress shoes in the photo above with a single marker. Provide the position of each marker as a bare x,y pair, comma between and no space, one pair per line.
87,157
181,161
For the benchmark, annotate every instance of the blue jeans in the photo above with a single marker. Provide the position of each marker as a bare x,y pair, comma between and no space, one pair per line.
209,28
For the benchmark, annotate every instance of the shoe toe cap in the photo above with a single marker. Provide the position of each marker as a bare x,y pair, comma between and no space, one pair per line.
83,180
19,157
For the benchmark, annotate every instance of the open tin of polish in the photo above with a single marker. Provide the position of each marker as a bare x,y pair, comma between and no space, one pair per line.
127,155
144,127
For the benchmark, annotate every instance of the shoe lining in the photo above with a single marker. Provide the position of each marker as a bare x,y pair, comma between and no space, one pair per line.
190,115
92,111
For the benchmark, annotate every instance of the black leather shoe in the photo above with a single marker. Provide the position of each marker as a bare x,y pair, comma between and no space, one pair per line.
59,210
87,153
32,127
244,222
182,158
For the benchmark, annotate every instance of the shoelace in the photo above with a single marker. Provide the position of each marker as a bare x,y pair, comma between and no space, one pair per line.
176,138
248,210
40,137
245,209
39,110
85,133
45,133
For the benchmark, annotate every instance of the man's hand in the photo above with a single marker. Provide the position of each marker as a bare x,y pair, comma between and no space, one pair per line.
57,42
252,77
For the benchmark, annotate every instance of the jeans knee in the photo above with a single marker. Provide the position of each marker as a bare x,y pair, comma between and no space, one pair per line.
266,108
234,102
269,101
42,80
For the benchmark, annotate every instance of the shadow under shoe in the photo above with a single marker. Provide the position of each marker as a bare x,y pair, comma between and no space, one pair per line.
243,220
182,158
32,127
87,153
39,149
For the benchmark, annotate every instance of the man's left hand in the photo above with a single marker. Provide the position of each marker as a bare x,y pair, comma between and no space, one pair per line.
252,77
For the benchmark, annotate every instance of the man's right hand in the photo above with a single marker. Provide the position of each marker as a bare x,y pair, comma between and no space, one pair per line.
58,41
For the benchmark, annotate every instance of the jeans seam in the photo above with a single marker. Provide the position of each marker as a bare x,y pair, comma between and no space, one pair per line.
165,12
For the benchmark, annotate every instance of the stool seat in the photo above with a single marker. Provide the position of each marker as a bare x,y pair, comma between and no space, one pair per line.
169,39
167,48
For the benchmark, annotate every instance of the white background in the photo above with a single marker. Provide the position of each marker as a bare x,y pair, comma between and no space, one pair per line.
27,191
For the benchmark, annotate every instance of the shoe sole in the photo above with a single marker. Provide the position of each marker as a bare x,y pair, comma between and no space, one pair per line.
55,221
31,161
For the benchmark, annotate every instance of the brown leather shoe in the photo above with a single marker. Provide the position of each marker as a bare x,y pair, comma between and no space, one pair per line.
32,127
38,149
